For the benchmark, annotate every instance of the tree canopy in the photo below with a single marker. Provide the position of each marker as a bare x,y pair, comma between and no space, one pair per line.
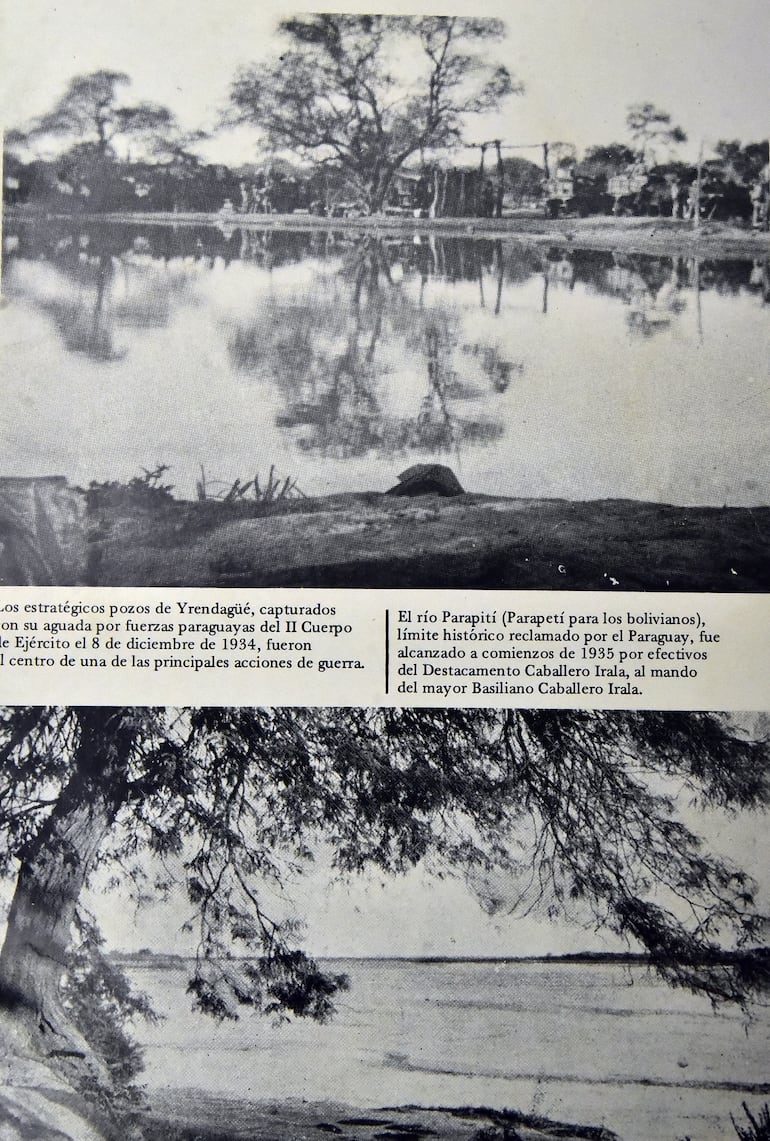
609,159
744,161
91,112
578,810
366,92
648,125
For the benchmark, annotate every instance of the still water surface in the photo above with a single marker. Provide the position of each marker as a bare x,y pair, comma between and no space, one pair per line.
341,360
602,1044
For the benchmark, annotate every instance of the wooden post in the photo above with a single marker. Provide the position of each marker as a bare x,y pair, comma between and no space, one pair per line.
500,181
698,183
480,187
433,209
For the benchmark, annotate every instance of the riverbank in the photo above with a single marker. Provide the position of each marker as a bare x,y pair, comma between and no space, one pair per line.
190,1115
56,535
466,541
625,234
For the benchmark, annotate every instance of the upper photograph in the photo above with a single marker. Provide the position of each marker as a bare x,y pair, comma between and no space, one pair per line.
356,300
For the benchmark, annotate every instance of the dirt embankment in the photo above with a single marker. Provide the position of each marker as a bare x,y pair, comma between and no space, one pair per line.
50,536
468,541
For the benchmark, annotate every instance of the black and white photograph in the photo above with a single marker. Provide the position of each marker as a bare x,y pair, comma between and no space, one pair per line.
381,300
267,924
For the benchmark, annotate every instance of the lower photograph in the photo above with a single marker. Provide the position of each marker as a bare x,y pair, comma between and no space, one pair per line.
384,924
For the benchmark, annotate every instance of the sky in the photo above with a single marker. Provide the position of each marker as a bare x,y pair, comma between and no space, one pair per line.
419,914
582,61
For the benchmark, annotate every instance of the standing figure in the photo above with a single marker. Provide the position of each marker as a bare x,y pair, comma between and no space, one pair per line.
488,200
760,199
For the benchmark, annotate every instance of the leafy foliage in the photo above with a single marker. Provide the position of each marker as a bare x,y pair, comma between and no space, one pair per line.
607,160
103,1005
90,111
145,491
648,125
744,162
758,1128
575,809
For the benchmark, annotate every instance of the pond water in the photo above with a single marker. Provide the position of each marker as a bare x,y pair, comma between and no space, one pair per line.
602,1044
341,360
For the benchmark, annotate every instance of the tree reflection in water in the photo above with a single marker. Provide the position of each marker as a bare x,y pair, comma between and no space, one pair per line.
96,290
374,346
339,350
83,315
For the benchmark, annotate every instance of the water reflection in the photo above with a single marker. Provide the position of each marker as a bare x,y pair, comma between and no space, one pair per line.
516,362
336,353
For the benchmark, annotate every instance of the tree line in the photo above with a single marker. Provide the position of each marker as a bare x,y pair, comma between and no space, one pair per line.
347,104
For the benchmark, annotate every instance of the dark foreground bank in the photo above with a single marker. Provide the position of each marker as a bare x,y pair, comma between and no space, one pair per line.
467,541
51,534
189,1115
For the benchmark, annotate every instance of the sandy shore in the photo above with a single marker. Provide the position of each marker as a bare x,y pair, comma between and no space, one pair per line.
189,1115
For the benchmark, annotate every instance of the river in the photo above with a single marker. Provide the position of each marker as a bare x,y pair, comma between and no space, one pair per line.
601,1043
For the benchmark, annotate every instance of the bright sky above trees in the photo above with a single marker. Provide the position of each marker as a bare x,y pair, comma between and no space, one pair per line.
582,63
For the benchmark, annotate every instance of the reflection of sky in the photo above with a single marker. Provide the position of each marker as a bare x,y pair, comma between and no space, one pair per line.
591,410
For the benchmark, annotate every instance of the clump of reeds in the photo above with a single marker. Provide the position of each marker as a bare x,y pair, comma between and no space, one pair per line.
273,491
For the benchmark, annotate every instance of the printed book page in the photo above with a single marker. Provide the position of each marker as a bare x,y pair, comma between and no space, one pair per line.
384,572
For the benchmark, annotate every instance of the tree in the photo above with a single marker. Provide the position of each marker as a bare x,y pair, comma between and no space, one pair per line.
523,178
13,140
367,92
648,125
743,162
607,160
575,808
90,111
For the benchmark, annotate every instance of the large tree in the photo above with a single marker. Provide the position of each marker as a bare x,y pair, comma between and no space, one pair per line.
367,92
91,111
577,809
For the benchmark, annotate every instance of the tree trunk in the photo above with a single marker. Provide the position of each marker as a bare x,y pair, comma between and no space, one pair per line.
34,955
54,867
